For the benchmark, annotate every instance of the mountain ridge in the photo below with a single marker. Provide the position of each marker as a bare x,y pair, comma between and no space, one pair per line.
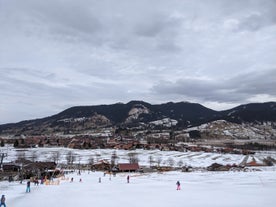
135,113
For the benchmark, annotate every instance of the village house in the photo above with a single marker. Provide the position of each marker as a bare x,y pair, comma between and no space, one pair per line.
102,165
75,144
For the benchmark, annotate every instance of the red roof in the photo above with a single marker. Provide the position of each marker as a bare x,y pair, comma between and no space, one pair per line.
127,166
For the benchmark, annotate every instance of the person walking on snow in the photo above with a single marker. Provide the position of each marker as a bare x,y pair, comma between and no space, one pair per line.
128,179
28,189
178,185
3,201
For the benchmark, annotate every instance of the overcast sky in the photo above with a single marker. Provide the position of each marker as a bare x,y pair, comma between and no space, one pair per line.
56,54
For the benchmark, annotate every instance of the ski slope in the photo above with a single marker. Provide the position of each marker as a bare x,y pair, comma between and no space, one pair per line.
214,189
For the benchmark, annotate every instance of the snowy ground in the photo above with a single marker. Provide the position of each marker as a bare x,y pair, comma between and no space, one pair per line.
233,189
199,189
194,159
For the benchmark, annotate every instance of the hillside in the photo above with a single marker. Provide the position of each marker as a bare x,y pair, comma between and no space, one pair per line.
142,115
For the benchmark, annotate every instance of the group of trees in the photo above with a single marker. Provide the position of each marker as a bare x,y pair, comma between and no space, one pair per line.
170,161
71,158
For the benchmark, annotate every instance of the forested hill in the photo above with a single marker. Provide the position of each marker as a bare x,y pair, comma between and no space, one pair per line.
139,113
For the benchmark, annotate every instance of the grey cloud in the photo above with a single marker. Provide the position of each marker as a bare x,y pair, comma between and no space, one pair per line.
257,21
237,89
57,53
252,15
69,21
256,82
156,25
98,23
22,88
35,85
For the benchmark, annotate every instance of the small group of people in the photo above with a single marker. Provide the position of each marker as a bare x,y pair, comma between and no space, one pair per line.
3,201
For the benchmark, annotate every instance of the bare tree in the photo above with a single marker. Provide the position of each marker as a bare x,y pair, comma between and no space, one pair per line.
171,161
114,158
133,157
80,158
158,161
180,163
73,159
56,156
21,156
98,157
91,161
151,160
70,157
33,156
79,172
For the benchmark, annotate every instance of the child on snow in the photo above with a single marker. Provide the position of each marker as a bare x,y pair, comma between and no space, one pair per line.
178,185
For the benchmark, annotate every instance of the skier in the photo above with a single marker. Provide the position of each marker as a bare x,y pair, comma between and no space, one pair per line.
41,181
28,190
3,201
178,185
36,181
128,179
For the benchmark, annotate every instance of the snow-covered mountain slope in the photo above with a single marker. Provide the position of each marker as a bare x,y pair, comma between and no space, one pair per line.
222,129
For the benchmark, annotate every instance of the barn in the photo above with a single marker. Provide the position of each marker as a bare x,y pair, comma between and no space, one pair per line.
128,167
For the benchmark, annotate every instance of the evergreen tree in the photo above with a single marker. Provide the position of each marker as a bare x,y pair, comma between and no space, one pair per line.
16,143
2,143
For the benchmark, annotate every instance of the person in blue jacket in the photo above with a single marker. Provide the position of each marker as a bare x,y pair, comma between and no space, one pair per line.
28,189
3,201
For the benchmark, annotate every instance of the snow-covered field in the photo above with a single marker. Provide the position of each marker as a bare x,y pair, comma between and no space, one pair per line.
198,189
194,159
233,189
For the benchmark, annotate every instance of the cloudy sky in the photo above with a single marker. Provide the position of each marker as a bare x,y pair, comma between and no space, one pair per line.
60,53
